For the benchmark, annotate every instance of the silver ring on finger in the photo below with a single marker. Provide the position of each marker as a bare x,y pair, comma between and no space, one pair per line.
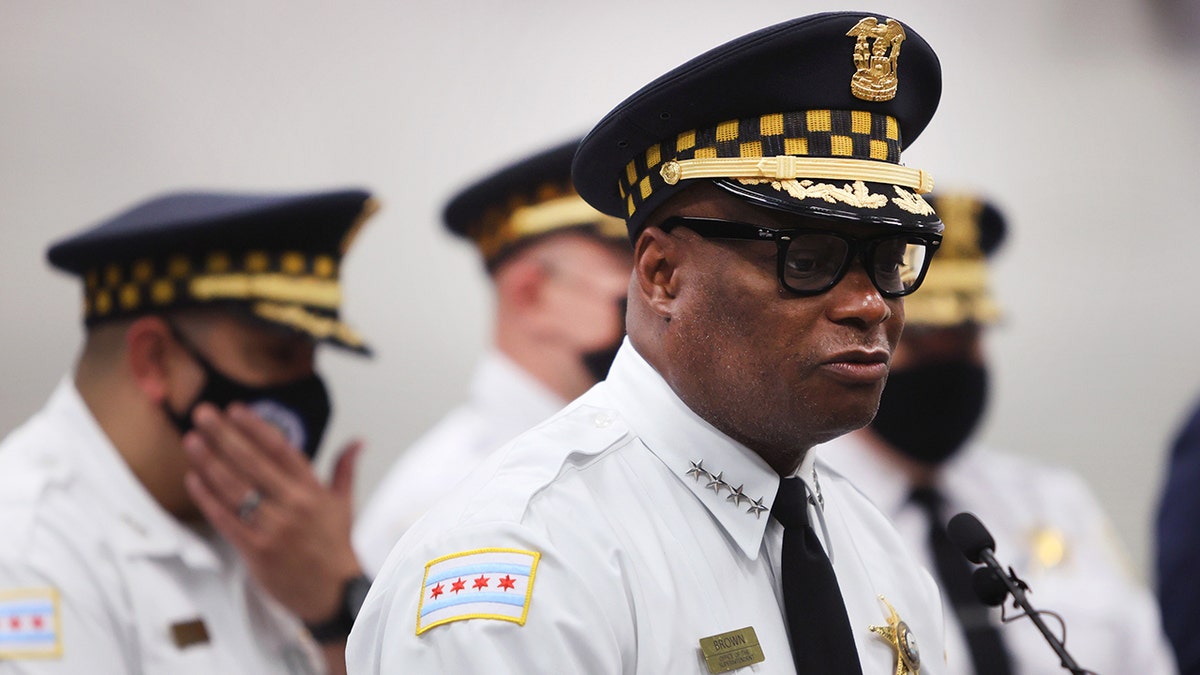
249,505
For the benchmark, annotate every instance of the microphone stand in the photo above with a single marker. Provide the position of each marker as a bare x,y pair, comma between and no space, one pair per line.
1017,588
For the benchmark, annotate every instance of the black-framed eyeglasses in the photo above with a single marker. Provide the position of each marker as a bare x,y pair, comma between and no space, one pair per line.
810,261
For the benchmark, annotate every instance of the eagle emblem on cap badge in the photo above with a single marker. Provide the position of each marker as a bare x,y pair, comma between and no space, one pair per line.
898,635
875,79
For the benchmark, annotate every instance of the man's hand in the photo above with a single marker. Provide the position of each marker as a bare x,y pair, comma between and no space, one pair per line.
262,495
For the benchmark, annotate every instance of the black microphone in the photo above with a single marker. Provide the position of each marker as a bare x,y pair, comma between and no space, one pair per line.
988,586
977,544
970,536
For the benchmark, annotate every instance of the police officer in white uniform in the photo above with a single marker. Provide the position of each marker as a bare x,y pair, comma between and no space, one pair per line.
672,520
560,270
915,462
202,311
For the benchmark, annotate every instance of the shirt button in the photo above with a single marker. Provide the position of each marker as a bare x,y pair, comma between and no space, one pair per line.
603,420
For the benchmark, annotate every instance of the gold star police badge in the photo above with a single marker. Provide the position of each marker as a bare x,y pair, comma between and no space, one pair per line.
1049,547
908,656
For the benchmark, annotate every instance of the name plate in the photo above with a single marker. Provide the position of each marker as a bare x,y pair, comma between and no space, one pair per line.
188,633
730,651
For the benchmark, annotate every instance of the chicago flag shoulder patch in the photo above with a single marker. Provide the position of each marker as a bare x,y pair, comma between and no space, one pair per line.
484,583
29,623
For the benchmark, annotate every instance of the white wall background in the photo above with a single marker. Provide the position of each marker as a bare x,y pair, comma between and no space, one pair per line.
1076,115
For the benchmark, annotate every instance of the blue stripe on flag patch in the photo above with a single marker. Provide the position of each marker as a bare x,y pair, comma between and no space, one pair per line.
500,598
471,570
26,638
13,608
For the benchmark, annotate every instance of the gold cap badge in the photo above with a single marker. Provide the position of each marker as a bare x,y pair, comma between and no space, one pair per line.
875,79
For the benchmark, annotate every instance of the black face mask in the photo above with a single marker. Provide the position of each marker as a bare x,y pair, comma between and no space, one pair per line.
599,362
300,409
928,412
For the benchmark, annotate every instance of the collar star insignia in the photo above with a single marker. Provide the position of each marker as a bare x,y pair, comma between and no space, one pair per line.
697,470
897,634
737,496
717,482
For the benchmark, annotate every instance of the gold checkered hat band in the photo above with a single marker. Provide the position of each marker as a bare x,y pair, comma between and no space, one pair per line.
847,134
305,283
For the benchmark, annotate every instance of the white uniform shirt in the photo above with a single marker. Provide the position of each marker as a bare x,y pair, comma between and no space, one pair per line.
636,561
503,401
1051,530
133,585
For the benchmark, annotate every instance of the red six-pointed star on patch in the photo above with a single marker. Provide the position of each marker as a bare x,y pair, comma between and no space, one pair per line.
480,583
507,582
437,590
37,622
458,585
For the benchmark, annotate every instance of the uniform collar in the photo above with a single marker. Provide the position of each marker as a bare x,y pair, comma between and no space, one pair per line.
732,481
500,384
147,529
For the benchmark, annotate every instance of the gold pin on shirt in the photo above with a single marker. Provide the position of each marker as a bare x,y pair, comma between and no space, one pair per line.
730,651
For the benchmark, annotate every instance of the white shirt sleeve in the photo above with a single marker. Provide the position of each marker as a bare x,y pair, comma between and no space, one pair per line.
89,635
566,629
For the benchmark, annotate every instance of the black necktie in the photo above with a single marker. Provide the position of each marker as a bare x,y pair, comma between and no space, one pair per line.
983,640
822,642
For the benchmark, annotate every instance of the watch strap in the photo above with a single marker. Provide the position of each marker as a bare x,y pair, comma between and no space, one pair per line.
337,627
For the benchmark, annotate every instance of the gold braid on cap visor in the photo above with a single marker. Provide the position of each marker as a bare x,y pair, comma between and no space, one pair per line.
782,149
300,318
787,167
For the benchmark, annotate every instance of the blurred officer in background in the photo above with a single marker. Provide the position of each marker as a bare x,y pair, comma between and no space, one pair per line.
194,399
560,269
916,463
672,519
1178,563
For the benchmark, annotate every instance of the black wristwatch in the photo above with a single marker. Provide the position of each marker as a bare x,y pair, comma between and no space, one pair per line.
336,629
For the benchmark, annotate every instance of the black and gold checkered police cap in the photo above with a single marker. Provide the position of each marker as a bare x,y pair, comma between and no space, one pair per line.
808,116
956,290
274,256
523,201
